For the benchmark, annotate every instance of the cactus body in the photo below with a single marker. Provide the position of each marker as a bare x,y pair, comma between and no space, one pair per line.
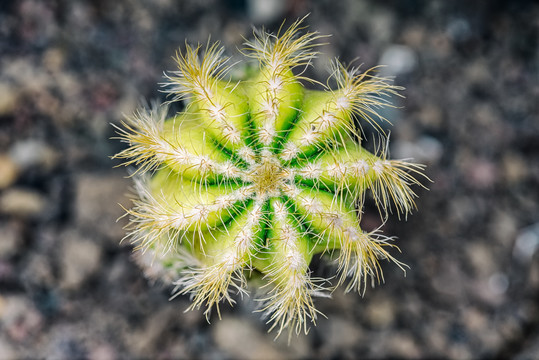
262,175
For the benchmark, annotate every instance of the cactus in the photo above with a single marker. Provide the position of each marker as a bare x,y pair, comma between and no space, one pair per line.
260,175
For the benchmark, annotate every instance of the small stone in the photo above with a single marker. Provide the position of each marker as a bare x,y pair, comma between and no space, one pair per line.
8,171
53,60
504,227
398,60
530,350
481,173
10,240
402,345
430,115
459,350
459,30
38,271
426,149
341,333
527,243
19,318
486,331
34,153
449,279
498,283
97,203
481,258
7,271
534,275
435,336
439,45
66,341
103,352
241,340
80,259
8,98
476,72
514,168
414,35
177,350
145,341
474,320
263,11
381,313
22,202
7,350
382,26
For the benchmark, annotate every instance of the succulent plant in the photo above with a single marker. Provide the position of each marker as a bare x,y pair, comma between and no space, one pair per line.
260,175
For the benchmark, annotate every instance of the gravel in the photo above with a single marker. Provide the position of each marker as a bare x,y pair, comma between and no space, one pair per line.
69,290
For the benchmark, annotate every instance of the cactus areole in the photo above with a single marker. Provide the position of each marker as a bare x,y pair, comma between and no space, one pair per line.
260,175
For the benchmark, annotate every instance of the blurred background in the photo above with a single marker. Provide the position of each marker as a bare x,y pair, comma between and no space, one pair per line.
68,290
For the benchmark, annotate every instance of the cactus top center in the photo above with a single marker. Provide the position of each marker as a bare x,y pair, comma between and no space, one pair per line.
268,176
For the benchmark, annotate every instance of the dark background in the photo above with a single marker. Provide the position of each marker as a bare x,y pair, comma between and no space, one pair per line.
70,68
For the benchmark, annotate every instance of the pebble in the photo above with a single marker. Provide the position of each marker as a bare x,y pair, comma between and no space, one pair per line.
459,30
8,98
19,318
414,35
431,116
479,326
263,11
481,258
382,26
504,228
38,271
459,350
398,60
404,346
477,72
381,313
340,333
97,203
103,352
527,243
533,275
10,240
7,350
481,173
66,342
488,290
241,340
7,271
449,280
8,171
80,258
21,202
32,153
435,336
54,60
425,150
530,350
439,46
498,283
514,168
144,341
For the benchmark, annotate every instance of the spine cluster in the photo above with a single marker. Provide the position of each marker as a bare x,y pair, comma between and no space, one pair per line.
260,175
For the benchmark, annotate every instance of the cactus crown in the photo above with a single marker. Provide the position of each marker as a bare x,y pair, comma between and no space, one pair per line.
262,175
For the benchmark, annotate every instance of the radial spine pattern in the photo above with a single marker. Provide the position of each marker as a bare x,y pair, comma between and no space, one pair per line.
260,176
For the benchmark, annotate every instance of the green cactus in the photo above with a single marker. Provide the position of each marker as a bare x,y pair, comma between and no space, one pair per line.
259,176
